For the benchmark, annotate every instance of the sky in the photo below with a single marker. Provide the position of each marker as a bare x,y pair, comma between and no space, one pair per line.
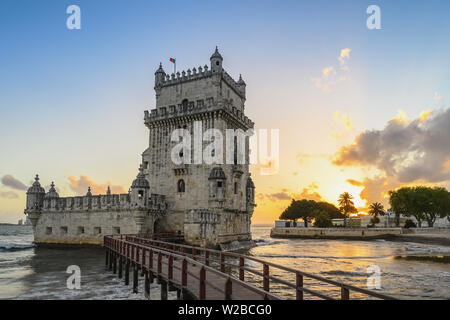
359,110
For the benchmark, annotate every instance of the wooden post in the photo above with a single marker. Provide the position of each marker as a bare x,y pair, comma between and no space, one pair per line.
107,255
135,278
127,272
202,284
241,268
159,262
345,293
115,263
266,277
150,259
110,259
120,266
163,290
228,289
184,273
170,268
222,262
207,258
194,252
146,285
299,286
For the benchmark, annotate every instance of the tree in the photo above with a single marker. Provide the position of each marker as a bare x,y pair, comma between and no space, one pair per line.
322,219
330,209
376,209
423,203
288,213
346,205
300,209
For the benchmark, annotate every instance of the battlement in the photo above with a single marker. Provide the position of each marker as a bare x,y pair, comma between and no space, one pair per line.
111,202
197,74
195,108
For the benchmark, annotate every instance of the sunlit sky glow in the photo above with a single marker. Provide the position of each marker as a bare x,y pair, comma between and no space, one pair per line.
72,101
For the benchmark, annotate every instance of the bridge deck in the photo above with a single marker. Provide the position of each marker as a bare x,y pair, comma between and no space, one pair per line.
187,270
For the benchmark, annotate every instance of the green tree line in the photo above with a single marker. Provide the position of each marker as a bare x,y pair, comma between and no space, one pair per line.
423,203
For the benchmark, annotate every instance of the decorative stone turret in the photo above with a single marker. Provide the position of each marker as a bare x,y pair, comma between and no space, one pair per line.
250,200
35,194
242,85
160,75
216,61
52,194
140,189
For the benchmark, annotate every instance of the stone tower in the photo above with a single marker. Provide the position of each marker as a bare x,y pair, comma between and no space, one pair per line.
210,203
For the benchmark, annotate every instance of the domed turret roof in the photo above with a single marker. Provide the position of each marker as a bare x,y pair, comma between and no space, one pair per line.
217,173
140,181
250,183
241,82
216,54
160,69
51,194
36,187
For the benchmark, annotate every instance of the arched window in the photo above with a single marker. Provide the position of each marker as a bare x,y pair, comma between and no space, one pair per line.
180,185
235,188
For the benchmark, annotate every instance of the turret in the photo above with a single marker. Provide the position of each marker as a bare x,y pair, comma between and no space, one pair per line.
35,194
140,188
242,85
35,199
216,61
250,190
160,75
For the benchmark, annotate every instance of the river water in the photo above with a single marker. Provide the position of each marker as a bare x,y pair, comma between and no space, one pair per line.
407,270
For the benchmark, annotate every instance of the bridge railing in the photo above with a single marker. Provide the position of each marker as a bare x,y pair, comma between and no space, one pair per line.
137,252
220,260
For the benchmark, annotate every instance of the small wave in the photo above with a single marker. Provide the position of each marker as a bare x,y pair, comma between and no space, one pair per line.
15,246
289,256
344,273
265,242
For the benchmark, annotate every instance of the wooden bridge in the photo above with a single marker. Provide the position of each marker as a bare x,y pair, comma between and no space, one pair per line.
199,273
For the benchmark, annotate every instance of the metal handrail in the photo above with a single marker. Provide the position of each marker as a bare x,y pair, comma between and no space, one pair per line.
120,245
345,288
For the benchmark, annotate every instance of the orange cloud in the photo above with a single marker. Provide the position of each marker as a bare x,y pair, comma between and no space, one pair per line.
80,186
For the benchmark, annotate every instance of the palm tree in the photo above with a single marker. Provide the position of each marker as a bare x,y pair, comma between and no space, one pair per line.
346,204
376,209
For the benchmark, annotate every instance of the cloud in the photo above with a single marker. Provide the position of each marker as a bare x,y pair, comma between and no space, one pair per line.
80,186
344,57
303,158
279,196
345,125
9,195
355,183
404,150
9,181
330,76
310,193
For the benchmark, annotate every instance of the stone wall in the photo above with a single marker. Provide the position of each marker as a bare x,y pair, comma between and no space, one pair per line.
82,227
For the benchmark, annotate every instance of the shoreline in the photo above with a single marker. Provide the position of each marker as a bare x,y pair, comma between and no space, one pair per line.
437,237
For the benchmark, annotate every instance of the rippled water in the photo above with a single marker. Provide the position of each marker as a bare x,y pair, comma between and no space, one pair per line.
27,272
